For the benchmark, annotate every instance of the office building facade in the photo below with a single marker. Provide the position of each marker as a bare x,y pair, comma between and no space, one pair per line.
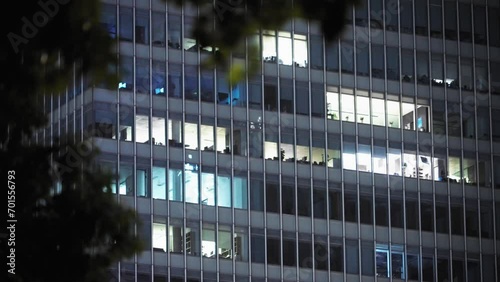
372,157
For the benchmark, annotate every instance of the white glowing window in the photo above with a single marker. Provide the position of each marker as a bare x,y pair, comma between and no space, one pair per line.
300,50
160,236
142,129
269,46
363,110
347,106
285,48
332,105
378,112
158,130
393,117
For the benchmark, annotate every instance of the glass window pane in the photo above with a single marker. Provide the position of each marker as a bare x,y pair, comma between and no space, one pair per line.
421,20
378,69
141,26
347,57
126,21
465,22
174,31
393,63
406,8
450,23
332,59
316,52
158,185
435,18
158,28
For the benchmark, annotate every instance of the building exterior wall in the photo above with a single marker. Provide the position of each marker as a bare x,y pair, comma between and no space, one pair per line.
373,157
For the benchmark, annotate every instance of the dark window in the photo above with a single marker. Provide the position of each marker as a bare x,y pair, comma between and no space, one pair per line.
270,97
473,271
428,269
301,98
142,26
365,209
411,213
191,82
435,17
272,197
450,23
352,256
413,262
406,8
458,270
286,95
494,26
376,14
335,203
427,215
305,254
255,94
273,251
397,212
207,86
126,21
362,14
443,269
480,25
362,59
486,220
317,100
336,258
174,80
454,119
142,76
320,256
351,208
319,203
304,200
407,66
441,217
288,199
158,29
471,220
465,22
457,225
332,56
258,253
393,63
391,15
256,194
367,255
289,253
421,19
422,68
378,69
347,57
108,19
381,211
316,52
174,31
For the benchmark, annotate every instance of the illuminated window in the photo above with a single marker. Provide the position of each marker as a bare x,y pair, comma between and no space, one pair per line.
390,263
191,183
347,107
159,237
332,105
158,185
300,50
378,112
